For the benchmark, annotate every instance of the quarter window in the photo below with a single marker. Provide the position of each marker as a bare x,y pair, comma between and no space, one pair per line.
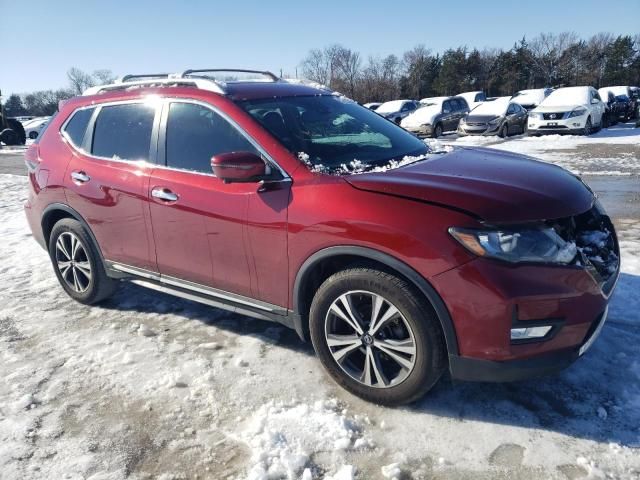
196,133
77,126
124,131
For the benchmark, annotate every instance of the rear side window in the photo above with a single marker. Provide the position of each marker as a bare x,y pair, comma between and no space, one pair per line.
124,131
77,126
196,133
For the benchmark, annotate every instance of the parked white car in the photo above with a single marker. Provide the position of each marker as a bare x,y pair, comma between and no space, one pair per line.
396,110
531,98
372,105
473,98
432,100
575,110
32,128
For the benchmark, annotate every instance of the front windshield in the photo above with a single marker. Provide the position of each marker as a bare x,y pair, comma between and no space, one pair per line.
329,132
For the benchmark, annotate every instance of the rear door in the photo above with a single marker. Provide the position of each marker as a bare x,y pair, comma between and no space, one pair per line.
106,179
447,116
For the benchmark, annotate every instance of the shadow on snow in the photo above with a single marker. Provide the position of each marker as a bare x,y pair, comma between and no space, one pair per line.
607,377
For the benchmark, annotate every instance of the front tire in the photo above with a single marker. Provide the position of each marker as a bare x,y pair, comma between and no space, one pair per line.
588,127
504,131
376,336
77,263
437,131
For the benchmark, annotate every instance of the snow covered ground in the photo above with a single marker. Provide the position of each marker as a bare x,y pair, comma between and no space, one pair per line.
611,151
151,386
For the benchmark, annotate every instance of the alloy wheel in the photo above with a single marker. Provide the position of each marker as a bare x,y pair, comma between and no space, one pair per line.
72,262
370,339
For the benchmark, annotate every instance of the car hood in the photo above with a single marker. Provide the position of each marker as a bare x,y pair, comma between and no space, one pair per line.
556,108
496,186
422,116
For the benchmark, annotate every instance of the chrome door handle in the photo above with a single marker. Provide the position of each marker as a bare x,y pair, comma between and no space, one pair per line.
164,194
80,177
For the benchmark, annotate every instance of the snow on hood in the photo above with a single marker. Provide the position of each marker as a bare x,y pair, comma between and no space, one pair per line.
422,116
566,96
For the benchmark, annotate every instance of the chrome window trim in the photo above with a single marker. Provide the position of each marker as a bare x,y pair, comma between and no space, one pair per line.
163,102
99,106
268,158
65,135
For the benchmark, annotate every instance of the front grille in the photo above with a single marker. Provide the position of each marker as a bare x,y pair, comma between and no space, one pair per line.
553,115
476,124
553,127
597,244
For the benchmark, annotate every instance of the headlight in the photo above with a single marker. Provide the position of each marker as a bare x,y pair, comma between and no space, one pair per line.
495,121
536,115
463,120
530,244
578,112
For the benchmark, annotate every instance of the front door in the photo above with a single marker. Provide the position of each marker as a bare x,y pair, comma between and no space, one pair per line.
200,222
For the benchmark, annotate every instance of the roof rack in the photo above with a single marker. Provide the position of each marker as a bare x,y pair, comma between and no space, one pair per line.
201,83
130,76
189,78
190,73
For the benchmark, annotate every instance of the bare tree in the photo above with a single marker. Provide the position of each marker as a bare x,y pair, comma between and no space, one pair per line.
348,69
103,76
548,49
79,80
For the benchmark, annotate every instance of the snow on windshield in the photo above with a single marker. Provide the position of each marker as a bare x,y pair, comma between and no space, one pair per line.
358,166
495,107
390,107
567,97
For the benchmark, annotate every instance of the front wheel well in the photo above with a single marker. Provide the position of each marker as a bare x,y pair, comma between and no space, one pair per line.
310,278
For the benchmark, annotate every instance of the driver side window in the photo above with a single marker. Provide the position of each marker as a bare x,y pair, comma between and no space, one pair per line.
196,133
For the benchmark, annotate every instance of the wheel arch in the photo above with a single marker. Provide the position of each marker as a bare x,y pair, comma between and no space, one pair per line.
57,211
327,261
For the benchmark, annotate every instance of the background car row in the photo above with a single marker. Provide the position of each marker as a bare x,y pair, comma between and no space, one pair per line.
575,110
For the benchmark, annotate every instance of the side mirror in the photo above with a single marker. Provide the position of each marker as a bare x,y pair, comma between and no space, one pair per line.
446,110
595,100
238,167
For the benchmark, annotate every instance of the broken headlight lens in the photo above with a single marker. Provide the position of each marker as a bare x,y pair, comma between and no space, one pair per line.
541,245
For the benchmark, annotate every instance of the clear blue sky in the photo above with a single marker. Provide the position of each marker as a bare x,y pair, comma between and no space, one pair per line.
42,39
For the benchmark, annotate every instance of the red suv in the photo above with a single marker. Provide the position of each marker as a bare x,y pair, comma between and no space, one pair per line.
288,202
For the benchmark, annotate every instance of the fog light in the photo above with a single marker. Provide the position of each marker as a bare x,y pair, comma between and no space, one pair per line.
529,332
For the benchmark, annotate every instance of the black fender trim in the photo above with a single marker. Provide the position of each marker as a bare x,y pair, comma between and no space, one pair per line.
67,209
418,280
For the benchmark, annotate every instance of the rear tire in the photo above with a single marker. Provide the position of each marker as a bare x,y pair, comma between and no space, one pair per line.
77,263
406,324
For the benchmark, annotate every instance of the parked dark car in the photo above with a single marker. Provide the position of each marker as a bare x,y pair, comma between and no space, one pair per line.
611,112
436,116
625,108
501,117
246,196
